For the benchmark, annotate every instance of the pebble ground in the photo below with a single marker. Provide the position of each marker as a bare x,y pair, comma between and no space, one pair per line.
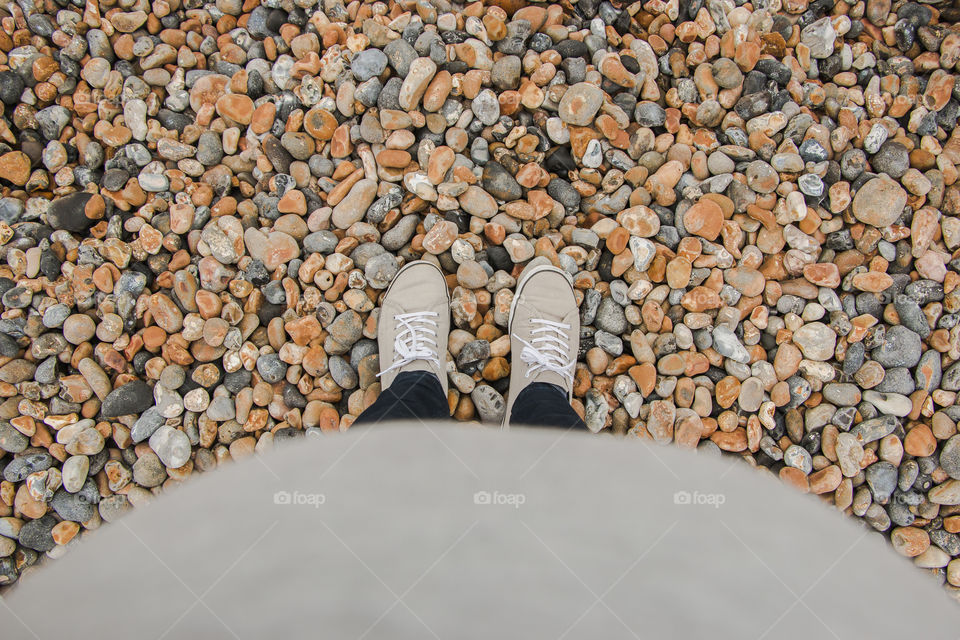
201,205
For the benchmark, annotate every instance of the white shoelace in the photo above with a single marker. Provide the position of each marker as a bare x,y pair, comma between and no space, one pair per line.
548,352
413,342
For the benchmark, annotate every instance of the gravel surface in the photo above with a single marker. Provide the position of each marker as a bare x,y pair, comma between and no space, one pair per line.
202,204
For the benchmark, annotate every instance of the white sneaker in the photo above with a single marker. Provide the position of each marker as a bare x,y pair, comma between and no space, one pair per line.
414,323
544,332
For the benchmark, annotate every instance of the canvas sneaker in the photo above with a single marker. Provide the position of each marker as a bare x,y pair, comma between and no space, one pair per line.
544,332
414,323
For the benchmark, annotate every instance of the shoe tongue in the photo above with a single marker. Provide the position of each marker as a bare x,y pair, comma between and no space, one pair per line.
418,365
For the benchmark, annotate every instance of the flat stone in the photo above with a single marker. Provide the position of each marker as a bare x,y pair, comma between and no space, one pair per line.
704,219
901,348
368,64
879,202
354,206
171,445
816,340
38,534
489,404
950,457
132,398
580,104
422,70
70,212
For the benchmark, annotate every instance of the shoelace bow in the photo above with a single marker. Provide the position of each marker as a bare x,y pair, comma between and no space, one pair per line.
413,342
548,352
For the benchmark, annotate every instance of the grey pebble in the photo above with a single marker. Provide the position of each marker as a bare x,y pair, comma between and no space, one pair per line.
489,403
132,398
37,534
271,368
610,317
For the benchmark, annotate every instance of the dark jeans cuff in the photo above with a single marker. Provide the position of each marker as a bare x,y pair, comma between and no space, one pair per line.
542,404
414,395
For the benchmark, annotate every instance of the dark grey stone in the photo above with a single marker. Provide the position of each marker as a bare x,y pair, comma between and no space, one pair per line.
271,368
875,428
900,348
148,422
882,479
132,398
37,534
78,506
499,183
611,317
20,467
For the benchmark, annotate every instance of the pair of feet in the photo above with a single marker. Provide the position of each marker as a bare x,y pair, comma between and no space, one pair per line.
544,328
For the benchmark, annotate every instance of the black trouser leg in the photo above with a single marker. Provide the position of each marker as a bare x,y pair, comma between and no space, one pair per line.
542,404
414,395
